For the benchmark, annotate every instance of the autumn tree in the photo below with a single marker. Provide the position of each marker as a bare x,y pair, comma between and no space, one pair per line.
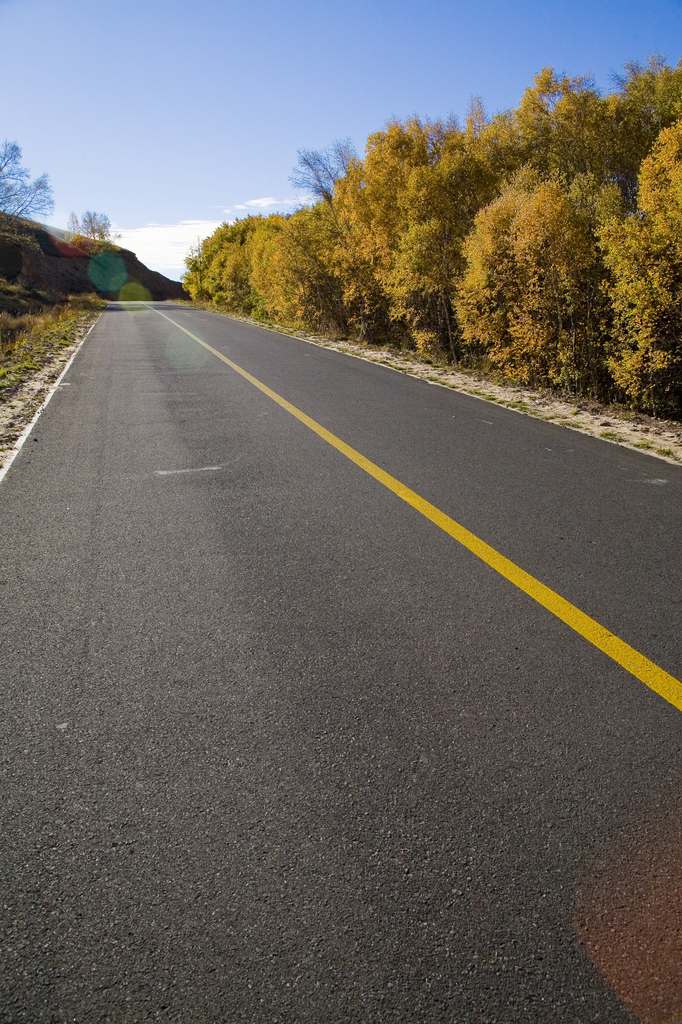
439,199
219,268
303,288
372,212
644,253
195,263
648,99
94,226
533,297
229,278
517,237
564,126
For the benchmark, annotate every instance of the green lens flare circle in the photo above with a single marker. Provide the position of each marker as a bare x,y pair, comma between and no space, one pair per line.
107,271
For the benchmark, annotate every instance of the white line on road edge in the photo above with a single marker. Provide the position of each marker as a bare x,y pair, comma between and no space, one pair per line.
18,444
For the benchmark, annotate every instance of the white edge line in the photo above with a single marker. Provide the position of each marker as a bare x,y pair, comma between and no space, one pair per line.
19,443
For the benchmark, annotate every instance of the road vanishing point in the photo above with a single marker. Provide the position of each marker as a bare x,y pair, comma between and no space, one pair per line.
330,695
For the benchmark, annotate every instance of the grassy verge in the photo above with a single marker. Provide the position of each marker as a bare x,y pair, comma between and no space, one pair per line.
32,338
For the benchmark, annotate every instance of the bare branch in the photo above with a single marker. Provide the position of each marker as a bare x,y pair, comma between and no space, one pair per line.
19,195
319,169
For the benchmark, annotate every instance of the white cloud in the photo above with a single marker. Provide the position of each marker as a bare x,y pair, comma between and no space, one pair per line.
163,247
262,203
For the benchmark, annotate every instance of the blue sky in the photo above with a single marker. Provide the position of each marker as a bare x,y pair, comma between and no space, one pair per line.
171,117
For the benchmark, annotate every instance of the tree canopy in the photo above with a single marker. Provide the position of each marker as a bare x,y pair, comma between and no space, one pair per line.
543,242
95,226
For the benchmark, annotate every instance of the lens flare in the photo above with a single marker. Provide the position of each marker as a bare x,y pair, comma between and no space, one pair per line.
108,272
133,291
183,354
629,919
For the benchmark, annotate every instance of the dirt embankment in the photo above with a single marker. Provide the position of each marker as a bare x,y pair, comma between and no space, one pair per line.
45,259
52,289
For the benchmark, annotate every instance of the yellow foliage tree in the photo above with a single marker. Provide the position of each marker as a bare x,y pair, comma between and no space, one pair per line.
564,126
219,268
371,217
404,213
644,253
493,238
297,276
533,296
440,201
648,100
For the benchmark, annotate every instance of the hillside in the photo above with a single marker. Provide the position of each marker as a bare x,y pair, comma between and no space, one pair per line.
43,259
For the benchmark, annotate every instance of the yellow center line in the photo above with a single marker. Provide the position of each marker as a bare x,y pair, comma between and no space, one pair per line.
646,671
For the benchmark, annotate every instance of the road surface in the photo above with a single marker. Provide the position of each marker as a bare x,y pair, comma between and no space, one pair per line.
277,748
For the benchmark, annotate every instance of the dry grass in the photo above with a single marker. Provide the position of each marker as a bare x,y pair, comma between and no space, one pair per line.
30,341
36,342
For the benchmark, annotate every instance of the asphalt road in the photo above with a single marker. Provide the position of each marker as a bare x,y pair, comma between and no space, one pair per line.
277,749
